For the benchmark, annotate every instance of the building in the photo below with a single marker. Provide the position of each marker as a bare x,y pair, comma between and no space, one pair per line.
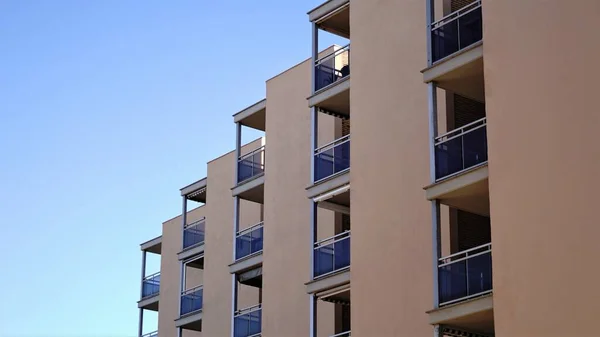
472,123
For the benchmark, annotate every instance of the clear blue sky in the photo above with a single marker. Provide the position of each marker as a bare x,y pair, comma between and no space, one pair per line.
107,108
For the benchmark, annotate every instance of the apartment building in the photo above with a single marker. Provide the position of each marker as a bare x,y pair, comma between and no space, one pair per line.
472,124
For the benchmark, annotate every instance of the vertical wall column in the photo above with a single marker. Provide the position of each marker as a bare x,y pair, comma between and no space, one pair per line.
141,318
238,150
314,128
181,264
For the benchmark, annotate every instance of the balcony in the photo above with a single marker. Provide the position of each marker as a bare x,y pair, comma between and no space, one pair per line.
250,178
248,249
150,290
247,322
249,241
332,82
461,149
457,52
193,241
151,334
465,275
332,254
332,16
332,159
190,311
465,291
456,31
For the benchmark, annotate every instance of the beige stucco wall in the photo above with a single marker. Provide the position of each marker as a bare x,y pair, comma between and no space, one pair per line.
286,258
541,70
391,221
170,271
219,244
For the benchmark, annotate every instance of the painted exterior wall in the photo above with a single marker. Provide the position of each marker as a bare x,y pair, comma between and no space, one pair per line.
219,244
286,259
391,219
541,66
168,309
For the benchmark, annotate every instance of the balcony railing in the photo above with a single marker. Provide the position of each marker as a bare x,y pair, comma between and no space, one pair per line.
465,274
193,234
342,334
332,68
251,164
461,149
151,285
247,322
332,254
191,300
332,158
249,241
151,334
456,31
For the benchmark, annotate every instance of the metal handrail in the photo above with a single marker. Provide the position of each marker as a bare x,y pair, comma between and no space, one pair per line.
333,239
151,334
248,310
250,229
249,154
330,55
455,15
192,290
333,144
345,334
150,276
194,223
465,254
448,136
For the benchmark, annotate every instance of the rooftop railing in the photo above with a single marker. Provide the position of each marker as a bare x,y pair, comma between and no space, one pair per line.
465,275
461,149
456,31
332,68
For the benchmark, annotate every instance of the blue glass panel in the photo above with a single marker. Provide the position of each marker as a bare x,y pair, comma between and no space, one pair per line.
332,161
193,235
248,324
191,301
249,243
460,153
332,69
250,166
465,278
151,286
456,35
331,257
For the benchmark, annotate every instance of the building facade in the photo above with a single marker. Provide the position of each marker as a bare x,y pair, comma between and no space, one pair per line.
471,123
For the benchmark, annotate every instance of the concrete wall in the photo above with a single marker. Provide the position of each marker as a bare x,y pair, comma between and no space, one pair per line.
541,70
169,273
391,222
287,246
219,244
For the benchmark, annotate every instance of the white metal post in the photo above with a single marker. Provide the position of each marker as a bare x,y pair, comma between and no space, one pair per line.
313,315
430,15
238,149
435,205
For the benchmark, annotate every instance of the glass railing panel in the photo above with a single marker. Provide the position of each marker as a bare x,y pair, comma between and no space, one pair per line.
465,274
332,158
251,164
151,334
456,31
332,254
461,149
151,285
193,234
332,68
247,322
191,300
249,241
342,334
